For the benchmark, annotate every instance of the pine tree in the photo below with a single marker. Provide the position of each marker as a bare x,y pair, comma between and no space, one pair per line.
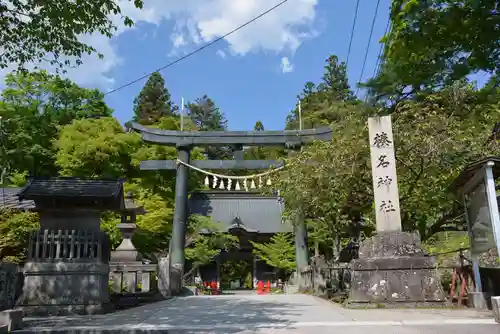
316,99
279,253
258,126
256,152
206,115
335,83
153,101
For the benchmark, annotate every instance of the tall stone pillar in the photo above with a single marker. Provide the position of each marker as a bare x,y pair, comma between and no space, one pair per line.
180,219
301,249
392,268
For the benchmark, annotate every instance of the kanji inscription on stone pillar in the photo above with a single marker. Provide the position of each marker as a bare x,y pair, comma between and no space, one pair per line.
385,183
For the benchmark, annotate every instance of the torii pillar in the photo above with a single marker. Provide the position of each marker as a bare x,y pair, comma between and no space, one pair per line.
178,239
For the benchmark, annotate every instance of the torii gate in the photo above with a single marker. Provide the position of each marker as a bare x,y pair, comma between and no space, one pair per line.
184,141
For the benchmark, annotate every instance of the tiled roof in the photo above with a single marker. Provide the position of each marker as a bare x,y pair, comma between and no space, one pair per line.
9,200
253,212
71,188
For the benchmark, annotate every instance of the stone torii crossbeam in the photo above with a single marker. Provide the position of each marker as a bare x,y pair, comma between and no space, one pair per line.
184,141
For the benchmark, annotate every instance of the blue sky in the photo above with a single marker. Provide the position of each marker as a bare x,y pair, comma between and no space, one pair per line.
252,86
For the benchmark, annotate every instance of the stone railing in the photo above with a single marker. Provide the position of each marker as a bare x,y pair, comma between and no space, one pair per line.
326,279
133,284
50,245
11,280
132,278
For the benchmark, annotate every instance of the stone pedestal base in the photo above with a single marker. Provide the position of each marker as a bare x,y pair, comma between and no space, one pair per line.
477,300
176,279
163,276
62,288
495,306
393,271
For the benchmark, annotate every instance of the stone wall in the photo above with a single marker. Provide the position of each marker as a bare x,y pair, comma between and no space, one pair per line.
325,279
11,280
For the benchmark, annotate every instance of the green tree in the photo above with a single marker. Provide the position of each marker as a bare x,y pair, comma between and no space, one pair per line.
206,115
434,138
341,167
101,148
33,31
262,153
205,240
335,84
433,43
155,227
279,253
15,227
258,126
316,100
33,107
153,102
96,148
256,152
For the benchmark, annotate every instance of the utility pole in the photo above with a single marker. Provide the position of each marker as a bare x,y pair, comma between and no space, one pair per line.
182,114
300,117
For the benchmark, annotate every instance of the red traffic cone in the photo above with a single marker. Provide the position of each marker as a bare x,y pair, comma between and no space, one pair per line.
260,288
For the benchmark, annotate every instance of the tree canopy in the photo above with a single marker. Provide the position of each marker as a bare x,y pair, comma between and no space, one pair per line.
51,126
441,122
434,43
33,108
279,253
153,102
51,31
206,115
316,99
436,135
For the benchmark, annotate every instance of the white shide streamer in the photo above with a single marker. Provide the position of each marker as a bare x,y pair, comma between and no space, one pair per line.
245,180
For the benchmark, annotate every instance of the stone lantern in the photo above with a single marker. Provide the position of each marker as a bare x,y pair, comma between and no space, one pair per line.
126,251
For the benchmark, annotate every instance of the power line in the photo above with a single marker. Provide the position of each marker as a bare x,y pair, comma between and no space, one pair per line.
381,50
200,48
381,54
352,32
368,46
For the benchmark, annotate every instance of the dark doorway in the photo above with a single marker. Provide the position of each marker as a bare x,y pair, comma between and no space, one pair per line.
236,274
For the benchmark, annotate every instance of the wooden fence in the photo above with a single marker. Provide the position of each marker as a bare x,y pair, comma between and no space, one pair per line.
48,245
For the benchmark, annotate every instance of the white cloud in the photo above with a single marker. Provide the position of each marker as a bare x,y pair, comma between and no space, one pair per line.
178,40
198,22
283,29
221,54
286,66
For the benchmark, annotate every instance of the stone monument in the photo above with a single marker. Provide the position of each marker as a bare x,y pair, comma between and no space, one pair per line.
67,266
392,269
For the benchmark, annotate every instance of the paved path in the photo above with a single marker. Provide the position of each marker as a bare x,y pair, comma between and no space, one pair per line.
290,314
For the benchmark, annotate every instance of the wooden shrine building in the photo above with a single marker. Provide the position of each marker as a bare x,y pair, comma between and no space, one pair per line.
250,216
